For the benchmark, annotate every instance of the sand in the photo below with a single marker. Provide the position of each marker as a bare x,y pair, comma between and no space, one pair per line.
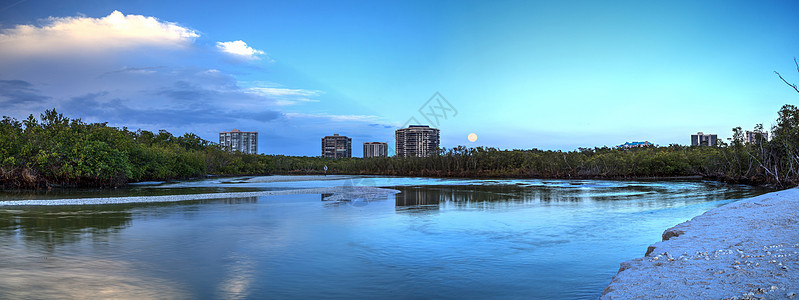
743,250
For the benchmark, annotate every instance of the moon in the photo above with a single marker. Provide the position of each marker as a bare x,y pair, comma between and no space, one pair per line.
472,137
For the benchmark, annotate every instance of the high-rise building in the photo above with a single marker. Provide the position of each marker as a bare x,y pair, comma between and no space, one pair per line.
701,139
417,140
754,137
237,140
336,146
375,149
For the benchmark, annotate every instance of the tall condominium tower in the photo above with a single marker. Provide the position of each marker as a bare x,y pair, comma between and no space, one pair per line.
237,140
336,146
375,149
755,137
417,140
701,139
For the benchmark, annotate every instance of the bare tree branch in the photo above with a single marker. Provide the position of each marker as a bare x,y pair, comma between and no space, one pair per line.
786,82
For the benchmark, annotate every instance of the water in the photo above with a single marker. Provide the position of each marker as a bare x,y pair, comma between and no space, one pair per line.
438,238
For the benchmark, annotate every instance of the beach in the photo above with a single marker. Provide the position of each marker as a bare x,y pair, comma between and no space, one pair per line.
748,249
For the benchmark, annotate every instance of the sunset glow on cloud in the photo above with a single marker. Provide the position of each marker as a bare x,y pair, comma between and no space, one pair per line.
115,31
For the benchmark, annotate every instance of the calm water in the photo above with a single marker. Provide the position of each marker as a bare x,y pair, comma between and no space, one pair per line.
436,239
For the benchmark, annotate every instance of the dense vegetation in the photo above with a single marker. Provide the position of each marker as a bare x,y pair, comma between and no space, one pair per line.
56,151
774,162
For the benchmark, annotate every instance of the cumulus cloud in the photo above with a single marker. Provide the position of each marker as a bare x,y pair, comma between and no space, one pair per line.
142,72
115,31
240,49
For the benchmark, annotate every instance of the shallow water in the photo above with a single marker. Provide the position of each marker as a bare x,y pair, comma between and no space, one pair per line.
438,238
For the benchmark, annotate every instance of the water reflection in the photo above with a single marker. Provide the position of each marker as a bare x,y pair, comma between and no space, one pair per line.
576,192
53,226
553,239
78,277
241,200
129,191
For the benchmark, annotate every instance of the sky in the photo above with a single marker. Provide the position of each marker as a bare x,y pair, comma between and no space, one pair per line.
519,74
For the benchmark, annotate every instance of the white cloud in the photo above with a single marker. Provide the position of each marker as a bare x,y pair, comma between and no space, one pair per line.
142,72
239,49
115,31
339,118
286,96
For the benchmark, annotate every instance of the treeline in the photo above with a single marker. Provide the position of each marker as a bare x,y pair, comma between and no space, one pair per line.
56,151
762,162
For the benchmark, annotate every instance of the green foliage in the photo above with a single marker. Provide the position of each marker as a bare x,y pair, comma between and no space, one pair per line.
56,151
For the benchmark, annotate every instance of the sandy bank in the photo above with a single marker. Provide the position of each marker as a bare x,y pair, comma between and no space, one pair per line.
290,178
744,250
338,194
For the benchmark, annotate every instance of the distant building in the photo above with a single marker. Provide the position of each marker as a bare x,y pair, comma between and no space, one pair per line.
754,137
375,149
237,140
701,139
628,145
336,146
417,140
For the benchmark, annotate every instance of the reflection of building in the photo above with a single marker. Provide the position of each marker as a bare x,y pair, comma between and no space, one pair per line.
336,146
233,200
755,137
237,140
375,149
635,144
417,140
701,139
417,197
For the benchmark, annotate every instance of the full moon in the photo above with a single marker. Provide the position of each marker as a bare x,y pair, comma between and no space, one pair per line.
472,137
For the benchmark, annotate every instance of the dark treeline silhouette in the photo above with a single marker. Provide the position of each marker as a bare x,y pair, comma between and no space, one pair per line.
55,151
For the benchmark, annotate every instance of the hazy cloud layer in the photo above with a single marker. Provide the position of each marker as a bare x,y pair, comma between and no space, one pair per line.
286,96
14,92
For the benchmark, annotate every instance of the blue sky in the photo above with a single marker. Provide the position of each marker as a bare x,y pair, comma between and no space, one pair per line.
527,74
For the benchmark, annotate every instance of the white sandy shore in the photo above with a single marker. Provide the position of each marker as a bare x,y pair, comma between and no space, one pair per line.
288,178
338,194
744,250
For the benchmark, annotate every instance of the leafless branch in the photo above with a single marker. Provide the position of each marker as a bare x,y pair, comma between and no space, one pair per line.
786,82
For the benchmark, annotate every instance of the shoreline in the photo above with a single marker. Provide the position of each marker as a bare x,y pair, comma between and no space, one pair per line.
340,193
743,250
309,176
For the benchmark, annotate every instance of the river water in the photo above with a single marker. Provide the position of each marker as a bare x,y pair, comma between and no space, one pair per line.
437,238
